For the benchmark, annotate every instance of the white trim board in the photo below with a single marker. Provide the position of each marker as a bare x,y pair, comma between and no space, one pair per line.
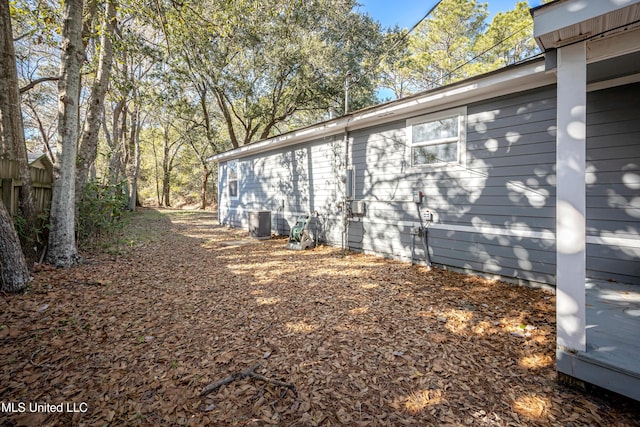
484,229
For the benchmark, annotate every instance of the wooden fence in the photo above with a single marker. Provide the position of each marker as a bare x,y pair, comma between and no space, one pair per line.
41,179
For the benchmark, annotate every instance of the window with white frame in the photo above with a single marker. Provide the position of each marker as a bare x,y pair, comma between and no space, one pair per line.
232,174
437,138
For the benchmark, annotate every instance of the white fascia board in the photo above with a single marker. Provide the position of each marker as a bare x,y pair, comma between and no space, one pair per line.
502,82
562,14
305,134
493,85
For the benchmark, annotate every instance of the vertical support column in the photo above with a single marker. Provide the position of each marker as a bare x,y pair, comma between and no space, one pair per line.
571,197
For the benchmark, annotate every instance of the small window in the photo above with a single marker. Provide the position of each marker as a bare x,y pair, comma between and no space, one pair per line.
437,138
233,179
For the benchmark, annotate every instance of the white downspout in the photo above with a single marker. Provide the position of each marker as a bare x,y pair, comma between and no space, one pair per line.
345,201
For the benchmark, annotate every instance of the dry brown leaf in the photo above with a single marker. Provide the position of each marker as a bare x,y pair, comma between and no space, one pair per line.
366,341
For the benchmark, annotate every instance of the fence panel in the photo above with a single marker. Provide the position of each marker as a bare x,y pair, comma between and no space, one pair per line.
41,179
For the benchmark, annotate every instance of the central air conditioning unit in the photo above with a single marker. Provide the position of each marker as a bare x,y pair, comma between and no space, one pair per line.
260,224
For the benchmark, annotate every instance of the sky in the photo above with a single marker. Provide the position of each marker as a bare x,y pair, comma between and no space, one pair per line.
406,13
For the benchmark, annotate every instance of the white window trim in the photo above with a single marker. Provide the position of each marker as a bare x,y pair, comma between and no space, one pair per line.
461,112
237,196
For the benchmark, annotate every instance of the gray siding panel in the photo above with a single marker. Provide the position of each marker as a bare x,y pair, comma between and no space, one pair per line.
525,147
305,178
508,179
612,266
613,183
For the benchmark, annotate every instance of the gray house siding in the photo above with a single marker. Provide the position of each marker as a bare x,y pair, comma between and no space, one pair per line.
613,184
494,214
289,183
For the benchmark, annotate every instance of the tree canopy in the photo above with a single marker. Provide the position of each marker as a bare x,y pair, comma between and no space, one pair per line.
456,42
266,62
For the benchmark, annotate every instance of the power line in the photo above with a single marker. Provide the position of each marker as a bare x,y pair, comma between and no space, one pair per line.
405,35
424,17
385,54
485,51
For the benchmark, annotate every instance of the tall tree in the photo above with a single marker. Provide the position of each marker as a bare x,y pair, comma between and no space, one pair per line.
12,129
10,118
14,271
395,73
136,58
62,241
445,42
210,148
132,158
508,39
36,37
266,61
14,274
172,143
203,138
88,147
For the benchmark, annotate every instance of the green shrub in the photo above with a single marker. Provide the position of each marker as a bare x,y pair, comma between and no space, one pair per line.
32,239
100,209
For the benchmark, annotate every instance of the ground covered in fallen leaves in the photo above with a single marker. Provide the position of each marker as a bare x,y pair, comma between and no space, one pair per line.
176,303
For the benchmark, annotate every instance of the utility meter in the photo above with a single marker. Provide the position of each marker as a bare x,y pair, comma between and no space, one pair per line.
417,197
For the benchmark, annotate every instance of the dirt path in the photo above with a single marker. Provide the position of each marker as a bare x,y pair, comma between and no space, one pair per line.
135,334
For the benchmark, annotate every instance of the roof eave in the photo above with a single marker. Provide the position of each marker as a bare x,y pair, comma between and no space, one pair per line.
564,22
516,78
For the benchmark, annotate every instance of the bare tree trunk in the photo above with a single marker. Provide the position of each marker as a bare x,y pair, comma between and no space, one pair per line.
14,274
157,173
43,132
206,172
62,241
222,103
123,134
166,188
8,78
12,129
134,159
88,148
203,191
115,159
166,172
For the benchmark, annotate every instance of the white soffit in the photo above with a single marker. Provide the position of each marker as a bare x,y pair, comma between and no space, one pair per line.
564,22
617,45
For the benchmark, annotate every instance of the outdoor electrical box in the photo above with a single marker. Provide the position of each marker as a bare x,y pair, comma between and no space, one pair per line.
417,197
358,207
427,215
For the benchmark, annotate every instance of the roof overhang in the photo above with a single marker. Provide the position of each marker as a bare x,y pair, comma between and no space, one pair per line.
564,22
507,80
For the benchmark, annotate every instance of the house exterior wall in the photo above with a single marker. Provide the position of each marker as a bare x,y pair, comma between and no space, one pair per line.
494,213
613,184
289,183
